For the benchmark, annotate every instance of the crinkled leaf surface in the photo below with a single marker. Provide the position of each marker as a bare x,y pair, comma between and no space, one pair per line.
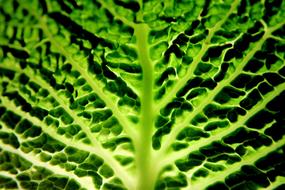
153,94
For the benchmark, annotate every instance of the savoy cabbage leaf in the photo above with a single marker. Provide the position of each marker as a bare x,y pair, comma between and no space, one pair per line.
142,95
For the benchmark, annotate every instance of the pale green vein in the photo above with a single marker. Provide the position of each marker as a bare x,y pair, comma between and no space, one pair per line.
96,88
9,175
280,180
98,150
106,155
60,100
91,81
197,59
111,9
85,182
5,128
111,161
143,147
246,160
169,139
223,132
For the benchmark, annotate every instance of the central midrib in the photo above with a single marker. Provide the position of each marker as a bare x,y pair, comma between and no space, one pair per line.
146,173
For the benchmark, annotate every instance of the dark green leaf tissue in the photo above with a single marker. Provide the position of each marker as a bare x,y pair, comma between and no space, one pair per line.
142,94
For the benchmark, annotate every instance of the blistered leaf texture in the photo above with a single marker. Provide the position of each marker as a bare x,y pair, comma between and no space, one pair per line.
142,94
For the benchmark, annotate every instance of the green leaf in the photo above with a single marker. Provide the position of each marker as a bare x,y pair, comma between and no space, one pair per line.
142,95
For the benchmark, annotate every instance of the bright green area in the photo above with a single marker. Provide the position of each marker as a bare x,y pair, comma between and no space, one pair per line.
142,95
